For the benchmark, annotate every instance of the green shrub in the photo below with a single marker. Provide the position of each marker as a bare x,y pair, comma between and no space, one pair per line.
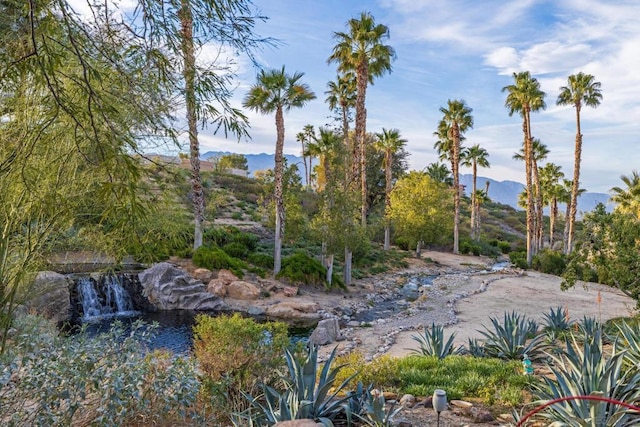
217,259
465,247
505,247
103,381
236,250
301,268
519,259
235,354
260,260
221,236
550,262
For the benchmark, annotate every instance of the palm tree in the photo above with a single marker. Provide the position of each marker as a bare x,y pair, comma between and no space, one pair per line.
473,157
550,176
304,138
628,199
565,197
481,197
525,96
322,147
388,142
342,95
458,119
276,91
362,50
581,89
539,153
439,172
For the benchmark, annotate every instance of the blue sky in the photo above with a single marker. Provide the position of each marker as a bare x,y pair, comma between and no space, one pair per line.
467,49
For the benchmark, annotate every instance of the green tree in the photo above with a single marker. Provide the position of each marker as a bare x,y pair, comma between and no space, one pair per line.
324,146
277,92
304,138
473,157
421,210
582,89
231,161
628,199
523,97
388,142
362,50
341,95
550,176
439,172
457,119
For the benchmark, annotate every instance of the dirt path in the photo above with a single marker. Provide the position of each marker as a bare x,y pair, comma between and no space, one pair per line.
464,296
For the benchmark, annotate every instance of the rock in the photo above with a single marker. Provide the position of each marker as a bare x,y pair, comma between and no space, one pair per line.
294,310
226,276
255,311
169,288
481,415
461,404
52,297
217,288
202,274
327,332
297,423
243,290
290,291
408,400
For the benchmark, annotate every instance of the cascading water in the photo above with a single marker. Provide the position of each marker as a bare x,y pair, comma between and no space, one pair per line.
103,298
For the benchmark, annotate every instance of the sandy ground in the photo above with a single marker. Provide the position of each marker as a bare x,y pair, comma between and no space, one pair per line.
465,296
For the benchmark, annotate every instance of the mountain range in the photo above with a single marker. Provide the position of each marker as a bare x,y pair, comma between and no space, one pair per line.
505,192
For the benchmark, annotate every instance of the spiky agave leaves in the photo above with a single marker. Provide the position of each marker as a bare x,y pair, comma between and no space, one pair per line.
513,338
432,343
588,371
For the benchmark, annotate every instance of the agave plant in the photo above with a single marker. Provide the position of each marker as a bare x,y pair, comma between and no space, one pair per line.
589,327
629,336
375,412
306,395
432,343
587,371
475,348
513,338
558,320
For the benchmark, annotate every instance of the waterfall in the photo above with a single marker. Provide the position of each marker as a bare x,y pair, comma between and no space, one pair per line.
103,298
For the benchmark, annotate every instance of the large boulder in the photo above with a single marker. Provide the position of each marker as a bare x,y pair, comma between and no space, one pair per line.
326,332
296,312
169,288
50,296
243,290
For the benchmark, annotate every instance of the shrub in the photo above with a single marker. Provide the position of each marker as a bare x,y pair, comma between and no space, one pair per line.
236,250
104,381
505,247
550,262
235,354
220,236
382,372
260,260
519,259
301,268
217,259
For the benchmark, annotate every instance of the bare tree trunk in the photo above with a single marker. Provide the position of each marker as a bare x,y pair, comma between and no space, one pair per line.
186,22
279,197
576,182
329,268
473,202
565,233
362,76
552,220
528,154
539,225
419,249
456,186
348,255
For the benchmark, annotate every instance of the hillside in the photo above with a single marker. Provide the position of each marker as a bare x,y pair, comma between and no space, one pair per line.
504,192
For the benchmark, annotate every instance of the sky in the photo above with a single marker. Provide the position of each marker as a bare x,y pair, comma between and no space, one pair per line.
466,50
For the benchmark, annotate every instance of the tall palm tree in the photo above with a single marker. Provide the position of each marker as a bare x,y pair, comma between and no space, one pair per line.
304,138
550,176
565,197
388,142
362,50
342,94
458,119
539,153
439,172
323,147
481,197
523,97
276,91
628,199
473,157
581,89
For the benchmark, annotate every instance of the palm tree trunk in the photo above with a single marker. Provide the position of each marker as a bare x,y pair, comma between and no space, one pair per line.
387,198
552,220
186,23
565,233
279,199
539,225
473,201
528,154
456,185
329,269
576,182
362,76
348,255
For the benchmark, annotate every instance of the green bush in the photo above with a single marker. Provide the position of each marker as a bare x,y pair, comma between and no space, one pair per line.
519,259
505,247
217,259
221,236
100,381
236,250
550,262
238,353
301,268
260,260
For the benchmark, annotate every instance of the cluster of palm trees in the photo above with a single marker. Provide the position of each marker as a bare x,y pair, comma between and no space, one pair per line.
523,97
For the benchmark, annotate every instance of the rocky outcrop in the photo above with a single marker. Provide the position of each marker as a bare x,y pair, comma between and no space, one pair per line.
169,288
297,312
327,332
52,299
242,290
